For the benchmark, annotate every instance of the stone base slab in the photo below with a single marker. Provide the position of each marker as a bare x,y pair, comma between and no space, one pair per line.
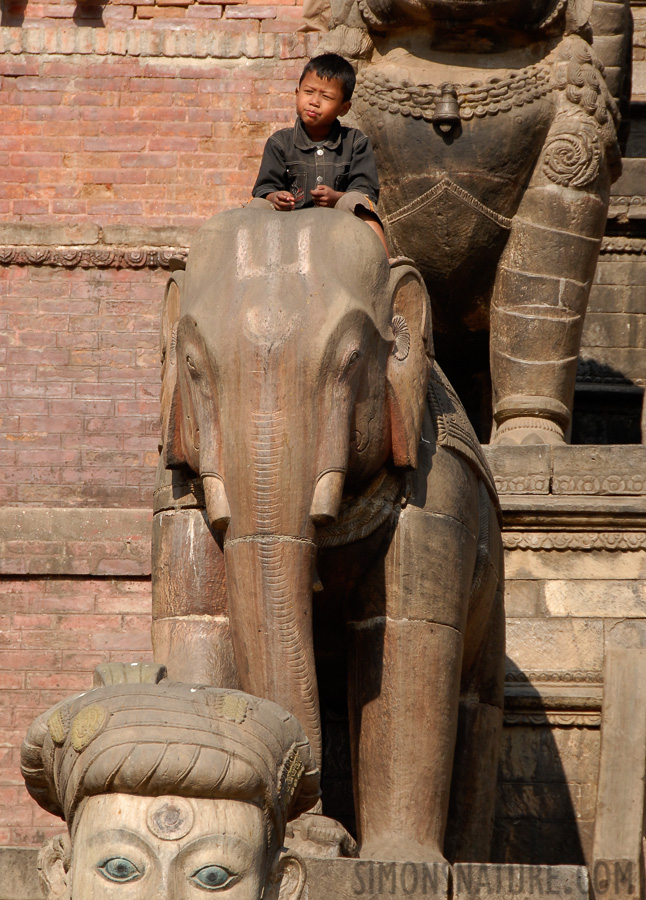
349,879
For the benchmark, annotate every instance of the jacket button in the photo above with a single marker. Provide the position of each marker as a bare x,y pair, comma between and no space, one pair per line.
319,179
319,152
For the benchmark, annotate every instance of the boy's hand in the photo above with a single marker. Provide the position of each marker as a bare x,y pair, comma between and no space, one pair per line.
325,196
282,200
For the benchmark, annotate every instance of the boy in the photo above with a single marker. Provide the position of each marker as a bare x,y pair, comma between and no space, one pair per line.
320,162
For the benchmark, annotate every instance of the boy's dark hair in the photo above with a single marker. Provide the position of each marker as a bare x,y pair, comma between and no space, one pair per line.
331,66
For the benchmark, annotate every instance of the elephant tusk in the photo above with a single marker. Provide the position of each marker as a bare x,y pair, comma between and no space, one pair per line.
217,505
328,493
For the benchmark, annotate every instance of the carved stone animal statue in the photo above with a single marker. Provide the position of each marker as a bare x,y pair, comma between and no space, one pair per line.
495,137
303,408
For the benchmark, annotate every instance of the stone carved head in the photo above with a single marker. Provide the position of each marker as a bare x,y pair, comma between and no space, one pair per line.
169,791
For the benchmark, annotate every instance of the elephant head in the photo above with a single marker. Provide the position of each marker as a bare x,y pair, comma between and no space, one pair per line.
295,362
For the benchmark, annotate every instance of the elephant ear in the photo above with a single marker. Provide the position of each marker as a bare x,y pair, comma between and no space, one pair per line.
409,363
171,401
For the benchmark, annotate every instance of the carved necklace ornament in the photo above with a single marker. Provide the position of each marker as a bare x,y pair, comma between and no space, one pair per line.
571,67
476,99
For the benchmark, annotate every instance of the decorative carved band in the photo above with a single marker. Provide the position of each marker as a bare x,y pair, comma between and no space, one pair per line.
592,540
158,258
623,483
187,44
569,677
91,257
522,484
572,720
477,99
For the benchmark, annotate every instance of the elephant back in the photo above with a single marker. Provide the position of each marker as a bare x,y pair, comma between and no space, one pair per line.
454,431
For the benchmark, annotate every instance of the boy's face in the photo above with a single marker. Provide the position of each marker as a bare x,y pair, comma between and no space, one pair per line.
319,102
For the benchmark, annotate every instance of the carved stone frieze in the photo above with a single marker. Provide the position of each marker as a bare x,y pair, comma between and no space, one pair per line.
569,677
590,483
565,720
624,245
522,484
91,257
617,541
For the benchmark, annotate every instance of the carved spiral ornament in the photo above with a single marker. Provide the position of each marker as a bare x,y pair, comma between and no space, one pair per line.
399,326
572,160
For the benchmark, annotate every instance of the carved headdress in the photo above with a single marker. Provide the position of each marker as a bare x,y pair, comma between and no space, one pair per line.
157,738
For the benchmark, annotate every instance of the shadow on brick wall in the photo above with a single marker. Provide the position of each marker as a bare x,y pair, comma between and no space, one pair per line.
87,15
12,13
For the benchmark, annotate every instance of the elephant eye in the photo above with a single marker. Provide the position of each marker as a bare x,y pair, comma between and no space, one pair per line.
191,365
353,359
120,869
213,878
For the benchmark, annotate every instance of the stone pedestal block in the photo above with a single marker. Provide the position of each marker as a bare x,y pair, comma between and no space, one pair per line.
19,874
348,879
476,881
621,801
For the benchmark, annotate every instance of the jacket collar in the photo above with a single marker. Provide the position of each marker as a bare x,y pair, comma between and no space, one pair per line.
303,142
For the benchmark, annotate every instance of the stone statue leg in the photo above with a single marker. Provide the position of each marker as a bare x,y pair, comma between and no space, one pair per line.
405,667
540,297
190,627
475,768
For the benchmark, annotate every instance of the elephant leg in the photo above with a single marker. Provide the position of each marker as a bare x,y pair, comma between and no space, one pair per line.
403,738
190,629
475,769
405,670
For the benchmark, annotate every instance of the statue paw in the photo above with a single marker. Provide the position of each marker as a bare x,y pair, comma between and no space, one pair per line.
317,835
528,430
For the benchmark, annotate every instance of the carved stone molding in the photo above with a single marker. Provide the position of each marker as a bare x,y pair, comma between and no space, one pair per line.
634,246
565,720
616,541
185,43
522,484
91,257
572,677
591,483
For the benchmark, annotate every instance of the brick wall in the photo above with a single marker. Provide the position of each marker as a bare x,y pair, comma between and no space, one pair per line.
117,142
280,16
138,126
53,631
79,385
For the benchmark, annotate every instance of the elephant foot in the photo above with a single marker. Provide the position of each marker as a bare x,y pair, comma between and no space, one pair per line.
317,835
526,430
401,850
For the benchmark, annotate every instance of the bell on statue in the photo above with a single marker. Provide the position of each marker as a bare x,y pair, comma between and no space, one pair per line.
447,110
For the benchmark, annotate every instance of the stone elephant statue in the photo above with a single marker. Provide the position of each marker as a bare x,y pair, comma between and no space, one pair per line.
317,464
494,132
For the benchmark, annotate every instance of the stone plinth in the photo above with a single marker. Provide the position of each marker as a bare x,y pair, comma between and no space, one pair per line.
575,587
348,879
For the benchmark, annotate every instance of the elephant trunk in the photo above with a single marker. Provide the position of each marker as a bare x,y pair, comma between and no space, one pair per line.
269,579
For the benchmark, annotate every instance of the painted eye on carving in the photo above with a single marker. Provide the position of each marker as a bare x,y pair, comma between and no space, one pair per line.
353,359
213,878
120,870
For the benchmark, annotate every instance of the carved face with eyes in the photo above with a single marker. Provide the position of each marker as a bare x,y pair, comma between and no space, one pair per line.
153,848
